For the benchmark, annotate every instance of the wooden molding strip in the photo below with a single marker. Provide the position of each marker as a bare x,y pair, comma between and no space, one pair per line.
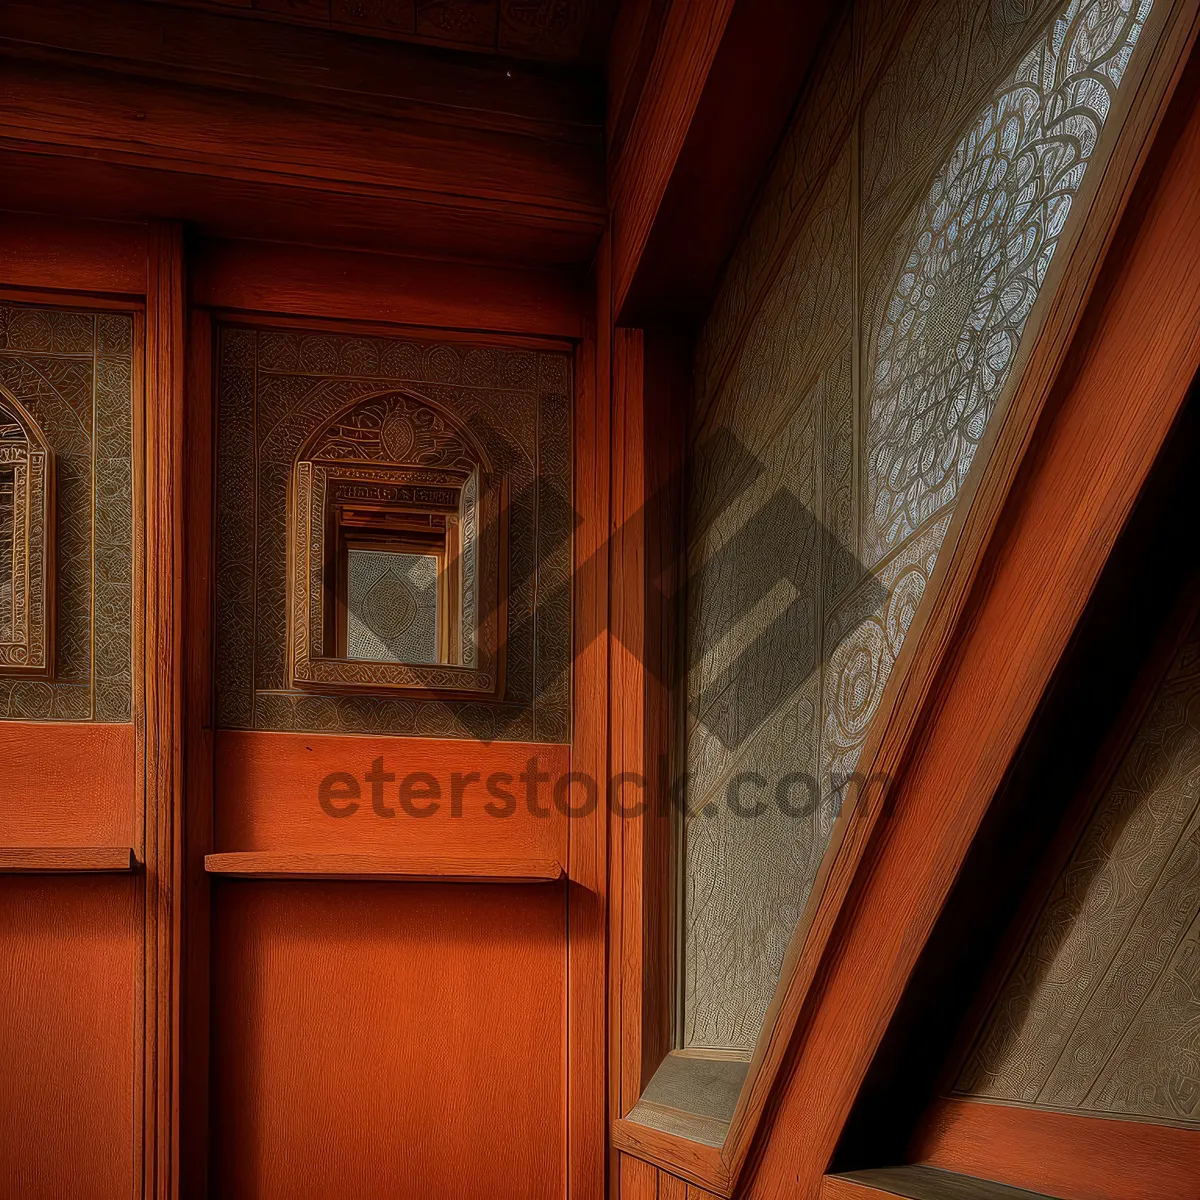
1069,1155
266,140
693,1161
65,860
917,1183
252,864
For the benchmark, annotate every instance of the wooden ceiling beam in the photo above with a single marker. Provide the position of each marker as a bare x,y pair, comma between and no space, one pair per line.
327,66
240,164
717,96
234,135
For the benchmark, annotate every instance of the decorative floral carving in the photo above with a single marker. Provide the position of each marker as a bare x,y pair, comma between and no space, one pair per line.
877,302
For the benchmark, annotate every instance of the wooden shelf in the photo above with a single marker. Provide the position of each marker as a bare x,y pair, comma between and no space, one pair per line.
265,864
56,860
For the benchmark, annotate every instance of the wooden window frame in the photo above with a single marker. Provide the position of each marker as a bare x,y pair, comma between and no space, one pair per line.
642,881
400,537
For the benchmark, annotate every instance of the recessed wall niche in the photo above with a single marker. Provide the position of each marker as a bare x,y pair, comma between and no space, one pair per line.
398,529
394,536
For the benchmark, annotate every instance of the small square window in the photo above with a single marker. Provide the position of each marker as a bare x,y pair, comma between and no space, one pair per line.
392,605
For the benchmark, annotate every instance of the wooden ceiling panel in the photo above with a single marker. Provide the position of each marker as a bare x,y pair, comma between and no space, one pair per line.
550,30
131,110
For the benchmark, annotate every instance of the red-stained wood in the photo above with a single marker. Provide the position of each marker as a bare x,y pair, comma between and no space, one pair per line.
69,1029
67,785
665,396
639,1180
215,49
587,839
671,1188
635,35
650,389
207,136
266,277
268,795
627,707
198,758
1061,1154
53,860
684,54
447,868
388,1040
91,188
1110,413
749,92
161,694
699,1165
79,256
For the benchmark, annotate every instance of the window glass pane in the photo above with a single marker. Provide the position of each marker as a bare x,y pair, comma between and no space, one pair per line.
867,325
391,606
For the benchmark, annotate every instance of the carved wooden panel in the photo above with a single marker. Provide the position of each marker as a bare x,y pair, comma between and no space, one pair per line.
866,327
355,406
1101,1012
66,514
26,545
536,29
396,453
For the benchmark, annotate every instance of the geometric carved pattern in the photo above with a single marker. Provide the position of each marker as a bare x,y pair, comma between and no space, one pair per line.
343,408
66,378
1101,1012
866,405
391,607
981,247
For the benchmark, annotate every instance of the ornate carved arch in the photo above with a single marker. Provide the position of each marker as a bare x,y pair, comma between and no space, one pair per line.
26,543
397,546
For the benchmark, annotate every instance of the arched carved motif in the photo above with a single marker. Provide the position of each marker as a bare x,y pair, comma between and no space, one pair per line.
397,536
26,544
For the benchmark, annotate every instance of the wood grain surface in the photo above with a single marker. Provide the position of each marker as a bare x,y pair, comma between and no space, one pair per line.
67,785
262,277
379,1041
268,796
69,1034
55,860
1061,1154
446,868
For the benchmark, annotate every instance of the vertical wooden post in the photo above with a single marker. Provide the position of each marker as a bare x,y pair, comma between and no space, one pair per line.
587,854
161,717
198,743
627,714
